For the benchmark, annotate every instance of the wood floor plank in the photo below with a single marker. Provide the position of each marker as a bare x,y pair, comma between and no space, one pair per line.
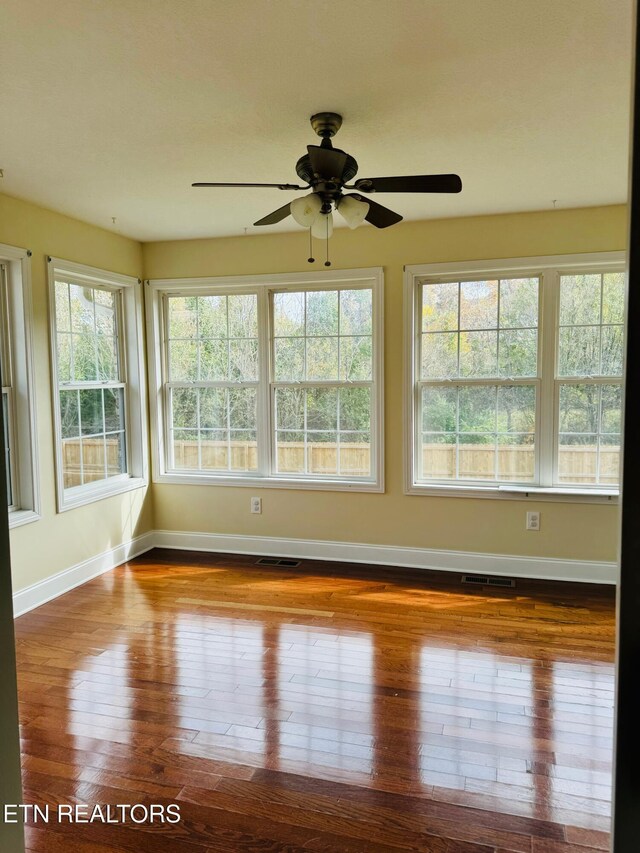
338,708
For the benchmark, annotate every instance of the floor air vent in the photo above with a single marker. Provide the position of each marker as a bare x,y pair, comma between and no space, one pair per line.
277,561
487,580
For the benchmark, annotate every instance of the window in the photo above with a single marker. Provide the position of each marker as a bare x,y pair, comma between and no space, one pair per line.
18,407
515,375
270,379
98,382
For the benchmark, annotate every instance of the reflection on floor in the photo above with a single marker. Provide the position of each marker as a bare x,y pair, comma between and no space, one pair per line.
324,708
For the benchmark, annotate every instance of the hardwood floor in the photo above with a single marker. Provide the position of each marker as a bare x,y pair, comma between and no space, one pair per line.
323,708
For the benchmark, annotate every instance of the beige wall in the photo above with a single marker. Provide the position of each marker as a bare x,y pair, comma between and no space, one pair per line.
569,530
58,541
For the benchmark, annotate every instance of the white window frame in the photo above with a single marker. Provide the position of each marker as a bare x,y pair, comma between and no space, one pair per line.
548,269
131,344
18,349
263,285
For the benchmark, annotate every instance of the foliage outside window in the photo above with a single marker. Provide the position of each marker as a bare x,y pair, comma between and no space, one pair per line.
97,374
516,379
270,380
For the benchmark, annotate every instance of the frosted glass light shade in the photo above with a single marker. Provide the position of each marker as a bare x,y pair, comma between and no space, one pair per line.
322,226
305,210
353,211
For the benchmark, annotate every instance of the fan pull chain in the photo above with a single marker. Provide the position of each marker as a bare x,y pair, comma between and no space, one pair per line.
327,263
311,259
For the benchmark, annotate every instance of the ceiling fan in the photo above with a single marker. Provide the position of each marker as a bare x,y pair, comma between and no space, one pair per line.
327,171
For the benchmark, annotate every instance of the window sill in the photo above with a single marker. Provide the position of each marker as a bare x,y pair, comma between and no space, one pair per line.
19,517
537,493
181,479
81,495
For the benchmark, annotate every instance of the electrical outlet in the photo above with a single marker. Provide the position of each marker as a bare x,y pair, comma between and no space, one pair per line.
256,505
533,521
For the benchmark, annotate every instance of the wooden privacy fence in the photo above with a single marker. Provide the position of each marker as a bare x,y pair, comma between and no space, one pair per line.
92,453
322,458
476,461
517,462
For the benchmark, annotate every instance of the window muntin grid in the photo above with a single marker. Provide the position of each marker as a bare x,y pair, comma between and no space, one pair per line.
322,386
212,369
91,383
476,395
589,379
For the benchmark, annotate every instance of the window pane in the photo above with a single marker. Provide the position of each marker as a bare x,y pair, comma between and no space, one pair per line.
322,409
355,359
116,454
477,409
440,307
212,317
580,299
322,312
243,316
479,305
243,360
579,351
93,459
355,409
81,307
612,351
478,354
213,404
107,356
440,355
609,460
288,314
518,353
516,458
114,409
184,408
355,454
322,453
183,317
63,316
91,412
105,307
242,409
439,409
579,408
613,297
439,455
243,447
84,357
611,409
290,408
214,448
322,359
519,303
185,449
355,312
289,359
183,360
290,452
64,356
477,457
214,360
516,409
577,459
69,414
71,463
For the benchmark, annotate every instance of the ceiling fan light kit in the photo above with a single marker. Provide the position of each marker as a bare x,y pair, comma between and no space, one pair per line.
327,171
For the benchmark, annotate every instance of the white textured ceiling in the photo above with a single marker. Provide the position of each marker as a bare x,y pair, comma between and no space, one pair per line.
111,108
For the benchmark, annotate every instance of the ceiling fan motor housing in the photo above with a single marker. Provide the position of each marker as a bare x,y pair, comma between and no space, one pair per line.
305,171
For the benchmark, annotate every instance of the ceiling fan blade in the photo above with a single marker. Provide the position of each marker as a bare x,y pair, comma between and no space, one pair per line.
378,215
275,186
327,162
411,184
276,216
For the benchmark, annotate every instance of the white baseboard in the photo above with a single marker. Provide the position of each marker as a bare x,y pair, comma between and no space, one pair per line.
583,571
43,591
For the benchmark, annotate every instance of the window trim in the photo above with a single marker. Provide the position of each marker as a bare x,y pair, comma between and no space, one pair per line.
263,285
24,427
131,345
547,267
